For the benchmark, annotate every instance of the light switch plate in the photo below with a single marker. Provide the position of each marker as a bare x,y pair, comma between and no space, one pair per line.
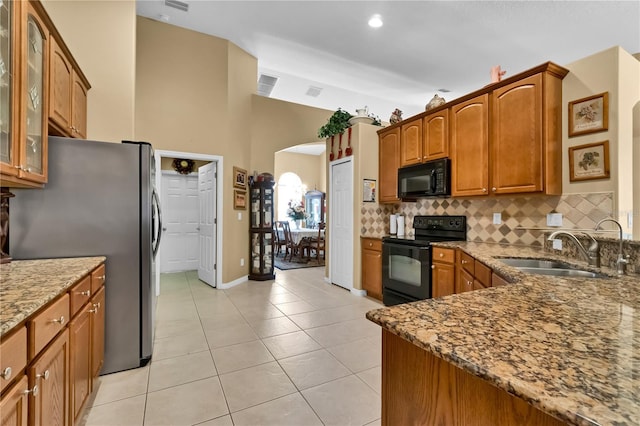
239,215
554,219
497,218
557,244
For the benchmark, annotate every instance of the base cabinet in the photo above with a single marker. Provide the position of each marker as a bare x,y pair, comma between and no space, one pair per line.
419,388
372,267
13,408
443,275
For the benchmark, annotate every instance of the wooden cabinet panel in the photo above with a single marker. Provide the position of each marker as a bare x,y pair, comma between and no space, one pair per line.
60,80
435,135
465,281
470,147
516,137
13,356
411,143
419,388
45,325
80,373
98,278
79,295
51,373
467,262
444,255
97,334
79,107
482,274
372,267
443,279
14,406
497,280
388,164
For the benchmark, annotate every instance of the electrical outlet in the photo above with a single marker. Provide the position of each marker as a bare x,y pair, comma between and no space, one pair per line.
242,261
557,244
497,218
554,219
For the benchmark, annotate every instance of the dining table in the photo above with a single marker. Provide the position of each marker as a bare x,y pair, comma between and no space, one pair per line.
298,234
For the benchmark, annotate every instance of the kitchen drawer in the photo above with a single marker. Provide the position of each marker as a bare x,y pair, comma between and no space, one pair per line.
482,274
98,278
13,356
467,262
44,326
497,280
465,282
443,255
80,294
372,244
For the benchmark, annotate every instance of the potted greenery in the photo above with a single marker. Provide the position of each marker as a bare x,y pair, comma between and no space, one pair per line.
337,123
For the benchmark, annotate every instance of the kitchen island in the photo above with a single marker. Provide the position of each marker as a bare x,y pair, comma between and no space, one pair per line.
566,347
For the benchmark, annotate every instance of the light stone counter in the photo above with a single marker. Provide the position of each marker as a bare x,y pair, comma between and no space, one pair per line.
568,346
27,285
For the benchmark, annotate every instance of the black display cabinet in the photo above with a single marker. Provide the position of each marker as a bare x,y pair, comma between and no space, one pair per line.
261,232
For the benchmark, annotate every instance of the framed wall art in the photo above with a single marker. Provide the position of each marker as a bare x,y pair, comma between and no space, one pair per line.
239,200
589,115
590,161
239,178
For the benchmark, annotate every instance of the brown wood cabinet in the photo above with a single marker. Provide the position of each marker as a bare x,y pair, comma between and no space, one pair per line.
419,388
67,94
14,406
472,274
497,280
46,91
49,365
411,142
372,267
443,275
470,147
388,164
435,135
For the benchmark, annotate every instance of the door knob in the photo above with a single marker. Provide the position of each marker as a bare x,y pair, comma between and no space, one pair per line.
164,229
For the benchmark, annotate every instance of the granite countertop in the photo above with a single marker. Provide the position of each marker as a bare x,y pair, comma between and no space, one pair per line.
27,285
568,346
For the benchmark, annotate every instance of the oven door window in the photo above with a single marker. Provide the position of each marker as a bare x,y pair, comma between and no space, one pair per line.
405,269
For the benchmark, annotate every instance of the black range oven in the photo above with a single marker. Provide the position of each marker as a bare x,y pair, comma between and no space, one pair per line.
406,262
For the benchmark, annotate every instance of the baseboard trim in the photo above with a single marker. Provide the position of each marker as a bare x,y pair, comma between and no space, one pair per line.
358,292
233,283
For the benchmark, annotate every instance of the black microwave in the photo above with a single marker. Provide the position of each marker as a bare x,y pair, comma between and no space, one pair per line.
430,179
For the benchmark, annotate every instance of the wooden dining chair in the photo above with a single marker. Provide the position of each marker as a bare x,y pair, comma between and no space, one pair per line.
292,248
279,242
316,243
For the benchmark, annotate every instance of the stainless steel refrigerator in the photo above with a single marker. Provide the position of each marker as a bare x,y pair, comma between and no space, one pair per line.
100,201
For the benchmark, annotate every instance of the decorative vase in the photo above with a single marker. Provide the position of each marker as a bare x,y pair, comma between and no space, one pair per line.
299,223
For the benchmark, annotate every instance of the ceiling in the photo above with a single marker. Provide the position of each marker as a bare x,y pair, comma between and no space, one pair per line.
423,46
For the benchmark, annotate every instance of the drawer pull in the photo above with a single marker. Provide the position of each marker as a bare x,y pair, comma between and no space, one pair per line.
6,373
96,305
93,311
441,254
44,376
101,277
433,266
60,320
85,293
464,262
33,391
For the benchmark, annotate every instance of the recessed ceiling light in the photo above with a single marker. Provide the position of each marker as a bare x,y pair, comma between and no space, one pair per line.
375,21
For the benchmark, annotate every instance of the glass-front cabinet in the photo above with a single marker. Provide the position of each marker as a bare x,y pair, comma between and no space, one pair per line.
261,231
23,87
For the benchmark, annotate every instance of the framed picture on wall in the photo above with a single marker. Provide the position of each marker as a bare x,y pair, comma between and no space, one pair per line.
239,178
239,200
590,161
369,190
589,115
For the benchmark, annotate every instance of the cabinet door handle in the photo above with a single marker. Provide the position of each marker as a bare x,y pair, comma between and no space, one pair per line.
433,266
484,189
93,311
44,376
33,391
85,293
494,189
101,277
60,320
441,254
464,262
6,373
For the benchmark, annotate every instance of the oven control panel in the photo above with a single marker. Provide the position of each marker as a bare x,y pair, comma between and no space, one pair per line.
443,223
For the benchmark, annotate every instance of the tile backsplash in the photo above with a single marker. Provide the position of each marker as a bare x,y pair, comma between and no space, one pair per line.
520,215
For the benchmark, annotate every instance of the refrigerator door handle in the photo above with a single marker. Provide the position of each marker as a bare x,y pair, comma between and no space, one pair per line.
158,236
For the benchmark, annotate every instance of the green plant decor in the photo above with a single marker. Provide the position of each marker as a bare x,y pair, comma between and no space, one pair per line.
337,123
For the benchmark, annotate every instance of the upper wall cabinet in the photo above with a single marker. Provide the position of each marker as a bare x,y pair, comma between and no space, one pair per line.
30,52
67,95
411,142
424,139
388,164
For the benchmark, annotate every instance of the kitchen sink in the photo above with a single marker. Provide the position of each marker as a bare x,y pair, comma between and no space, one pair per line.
549,267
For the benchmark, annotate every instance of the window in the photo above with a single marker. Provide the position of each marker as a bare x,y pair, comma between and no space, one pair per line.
289,188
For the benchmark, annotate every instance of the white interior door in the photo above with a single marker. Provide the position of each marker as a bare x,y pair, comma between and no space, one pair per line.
180,223
341,224
207,223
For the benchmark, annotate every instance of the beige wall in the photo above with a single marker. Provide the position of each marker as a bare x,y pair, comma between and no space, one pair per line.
277,125
618,73
102,38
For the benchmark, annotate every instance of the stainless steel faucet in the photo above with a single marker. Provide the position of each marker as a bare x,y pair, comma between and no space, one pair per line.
621,262
592,254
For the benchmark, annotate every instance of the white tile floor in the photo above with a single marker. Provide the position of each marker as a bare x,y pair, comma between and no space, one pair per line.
294,351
